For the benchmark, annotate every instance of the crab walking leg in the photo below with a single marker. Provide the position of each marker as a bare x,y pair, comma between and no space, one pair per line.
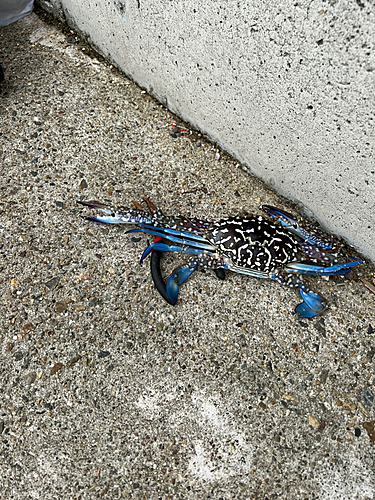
312,305
179,276
182,241
182,273
289,223
162,247
344,268
167,231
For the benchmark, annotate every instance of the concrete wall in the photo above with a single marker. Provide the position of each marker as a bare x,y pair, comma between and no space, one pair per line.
286,86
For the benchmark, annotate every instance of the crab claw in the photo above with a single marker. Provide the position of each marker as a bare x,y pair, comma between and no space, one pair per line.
175,280
312,305
169,290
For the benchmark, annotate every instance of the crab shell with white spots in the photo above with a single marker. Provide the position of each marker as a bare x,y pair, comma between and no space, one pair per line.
253,243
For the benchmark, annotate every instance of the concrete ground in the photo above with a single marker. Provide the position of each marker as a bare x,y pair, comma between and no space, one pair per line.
106,390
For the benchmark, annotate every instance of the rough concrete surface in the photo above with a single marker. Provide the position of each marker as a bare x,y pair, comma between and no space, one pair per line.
106,390
287,87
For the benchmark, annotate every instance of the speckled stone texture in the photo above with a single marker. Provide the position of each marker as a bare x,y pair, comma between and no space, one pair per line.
108,392
286,87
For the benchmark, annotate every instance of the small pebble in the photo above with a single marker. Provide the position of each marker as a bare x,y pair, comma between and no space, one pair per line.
8,347
19,355
61,306
94,302
313,421
56,368
370,428
74,360
52,283
323,376
30,378
368,399
29,327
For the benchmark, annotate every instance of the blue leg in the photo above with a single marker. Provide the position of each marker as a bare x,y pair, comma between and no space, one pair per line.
174,239
169,291
312,305
179,276
163,247
298,267
291,225
175,232
171,294
182,273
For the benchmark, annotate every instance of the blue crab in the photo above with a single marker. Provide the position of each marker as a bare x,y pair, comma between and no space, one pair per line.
253,245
